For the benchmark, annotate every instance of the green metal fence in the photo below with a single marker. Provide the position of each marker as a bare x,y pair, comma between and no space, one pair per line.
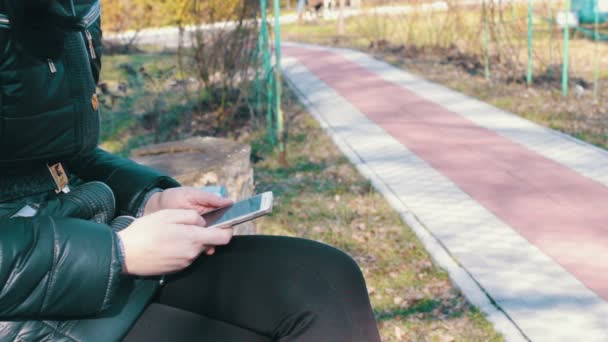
583,10
268,83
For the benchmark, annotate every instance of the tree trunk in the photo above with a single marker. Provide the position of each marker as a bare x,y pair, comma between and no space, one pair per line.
205,161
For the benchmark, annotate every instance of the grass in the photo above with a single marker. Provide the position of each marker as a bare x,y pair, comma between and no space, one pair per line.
321,196
144,77
111,71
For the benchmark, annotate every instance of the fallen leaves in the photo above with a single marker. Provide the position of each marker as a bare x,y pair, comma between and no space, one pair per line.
398,333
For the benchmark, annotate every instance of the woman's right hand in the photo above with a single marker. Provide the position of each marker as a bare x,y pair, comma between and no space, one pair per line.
168,241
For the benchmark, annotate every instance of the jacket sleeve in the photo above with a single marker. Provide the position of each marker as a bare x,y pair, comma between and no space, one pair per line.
56,267
129,181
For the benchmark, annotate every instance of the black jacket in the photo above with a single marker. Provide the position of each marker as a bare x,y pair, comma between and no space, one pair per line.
60,278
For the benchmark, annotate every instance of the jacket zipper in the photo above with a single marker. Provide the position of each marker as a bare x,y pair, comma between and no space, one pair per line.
52,66
91,46
86,21
4,21
92,15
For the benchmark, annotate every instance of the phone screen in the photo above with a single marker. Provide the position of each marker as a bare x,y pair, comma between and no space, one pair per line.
233,211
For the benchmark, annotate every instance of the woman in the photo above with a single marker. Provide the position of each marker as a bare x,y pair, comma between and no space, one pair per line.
69,271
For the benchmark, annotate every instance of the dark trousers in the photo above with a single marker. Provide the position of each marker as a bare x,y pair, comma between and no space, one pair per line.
262,288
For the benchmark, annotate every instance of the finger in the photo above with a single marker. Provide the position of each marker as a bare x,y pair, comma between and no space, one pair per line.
181,216
211,200
210,251
214,236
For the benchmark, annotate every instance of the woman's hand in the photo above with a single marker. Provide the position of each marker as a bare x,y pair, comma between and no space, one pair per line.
185,198
168,241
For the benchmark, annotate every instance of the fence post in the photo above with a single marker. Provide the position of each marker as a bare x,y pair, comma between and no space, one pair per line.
565,60
530,31
265,49
278,84
259,65
551,35
485,33
513,11
341,18
596,76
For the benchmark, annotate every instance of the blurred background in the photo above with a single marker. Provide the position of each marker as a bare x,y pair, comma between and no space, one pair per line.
556,51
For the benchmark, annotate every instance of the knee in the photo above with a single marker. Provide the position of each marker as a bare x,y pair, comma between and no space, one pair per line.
333,263
342,262
311,259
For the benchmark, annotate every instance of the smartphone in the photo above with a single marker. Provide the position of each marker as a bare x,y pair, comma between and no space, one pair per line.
239,212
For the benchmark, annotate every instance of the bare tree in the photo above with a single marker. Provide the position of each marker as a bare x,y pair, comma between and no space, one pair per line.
224,56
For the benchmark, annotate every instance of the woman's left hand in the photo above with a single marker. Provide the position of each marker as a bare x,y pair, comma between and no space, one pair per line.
185,198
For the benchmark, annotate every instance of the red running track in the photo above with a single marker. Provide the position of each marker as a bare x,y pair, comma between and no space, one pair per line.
558,210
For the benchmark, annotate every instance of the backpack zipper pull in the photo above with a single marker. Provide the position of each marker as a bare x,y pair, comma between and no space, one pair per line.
52,66
91,47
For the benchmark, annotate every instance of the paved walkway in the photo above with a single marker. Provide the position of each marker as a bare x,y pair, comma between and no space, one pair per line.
515,212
